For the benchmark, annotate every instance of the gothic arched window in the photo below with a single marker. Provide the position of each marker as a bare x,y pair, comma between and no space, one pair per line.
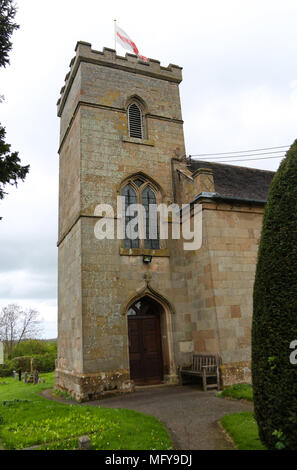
135,121
141,222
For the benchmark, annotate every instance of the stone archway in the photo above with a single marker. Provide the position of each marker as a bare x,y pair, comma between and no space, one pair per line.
149,318
145,344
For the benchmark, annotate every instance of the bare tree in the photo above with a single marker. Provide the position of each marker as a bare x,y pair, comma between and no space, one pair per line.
17,324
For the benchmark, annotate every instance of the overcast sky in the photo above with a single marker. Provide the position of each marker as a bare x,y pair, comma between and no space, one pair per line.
239,92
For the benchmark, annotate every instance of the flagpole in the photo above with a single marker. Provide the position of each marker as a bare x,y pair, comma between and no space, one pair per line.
115,35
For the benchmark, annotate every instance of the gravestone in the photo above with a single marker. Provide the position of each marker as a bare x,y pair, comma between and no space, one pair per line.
35,377
14,374
1,353
26,377
84,443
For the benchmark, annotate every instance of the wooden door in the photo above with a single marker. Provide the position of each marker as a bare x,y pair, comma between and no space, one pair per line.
145,349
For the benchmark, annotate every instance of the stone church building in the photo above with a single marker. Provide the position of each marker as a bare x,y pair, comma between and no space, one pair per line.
134,311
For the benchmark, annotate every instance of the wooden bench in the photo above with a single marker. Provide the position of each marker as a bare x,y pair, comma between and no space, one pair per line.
205,366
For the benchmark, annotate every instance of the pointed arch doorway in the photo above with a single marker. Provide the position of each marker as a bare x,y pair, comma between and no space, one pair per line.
145,344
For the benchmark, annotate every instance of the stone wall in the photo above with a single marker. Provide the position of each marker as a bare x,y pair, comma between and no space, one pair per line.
220,282
233,238
70,338
86,387
235,373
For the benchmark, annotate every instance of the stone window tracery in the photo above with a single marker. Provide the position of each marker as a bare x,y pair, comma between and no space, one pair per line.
145,222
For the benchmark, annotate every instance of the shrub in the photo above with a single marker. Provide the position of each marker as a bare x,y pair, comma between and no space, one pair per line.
23,363
45,362
41,362
31,347
275,312
6,369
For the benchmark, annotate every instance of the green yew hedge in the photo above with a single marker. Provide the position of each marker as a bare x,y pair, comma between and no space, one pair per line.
275,312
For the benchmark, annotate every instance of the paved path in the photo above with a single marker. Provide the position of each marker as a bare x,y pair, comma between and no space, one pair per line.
190,415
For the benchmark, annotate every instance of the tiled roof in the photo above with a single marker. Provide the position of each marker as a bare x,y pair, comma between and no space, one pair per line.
237,181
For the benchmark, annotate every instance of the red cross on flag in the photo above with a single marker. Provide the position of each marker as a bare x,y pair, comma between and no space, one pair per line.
127,43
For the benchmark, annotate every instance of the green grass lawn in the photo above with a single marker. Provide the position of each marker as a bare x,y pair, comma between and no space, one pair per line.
238,391
28,419
243,429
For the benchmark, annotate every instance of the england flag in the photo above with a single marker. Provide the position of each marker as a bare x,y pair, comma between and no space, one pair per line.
127,43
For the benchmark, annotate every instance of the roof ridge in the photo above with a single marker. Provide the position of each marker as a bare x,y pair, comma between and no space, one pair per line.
232,166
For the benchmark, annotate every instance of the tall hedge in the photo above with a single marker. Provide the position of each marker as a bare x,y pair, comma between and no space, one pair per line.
275,312
41,362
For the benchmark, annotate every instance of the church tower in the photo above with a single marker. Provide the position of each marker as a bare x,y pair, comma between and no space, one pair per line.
121,302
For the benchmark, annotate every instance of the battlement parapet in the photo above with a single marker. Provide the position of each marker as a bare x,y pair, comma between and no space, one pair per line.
109,58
